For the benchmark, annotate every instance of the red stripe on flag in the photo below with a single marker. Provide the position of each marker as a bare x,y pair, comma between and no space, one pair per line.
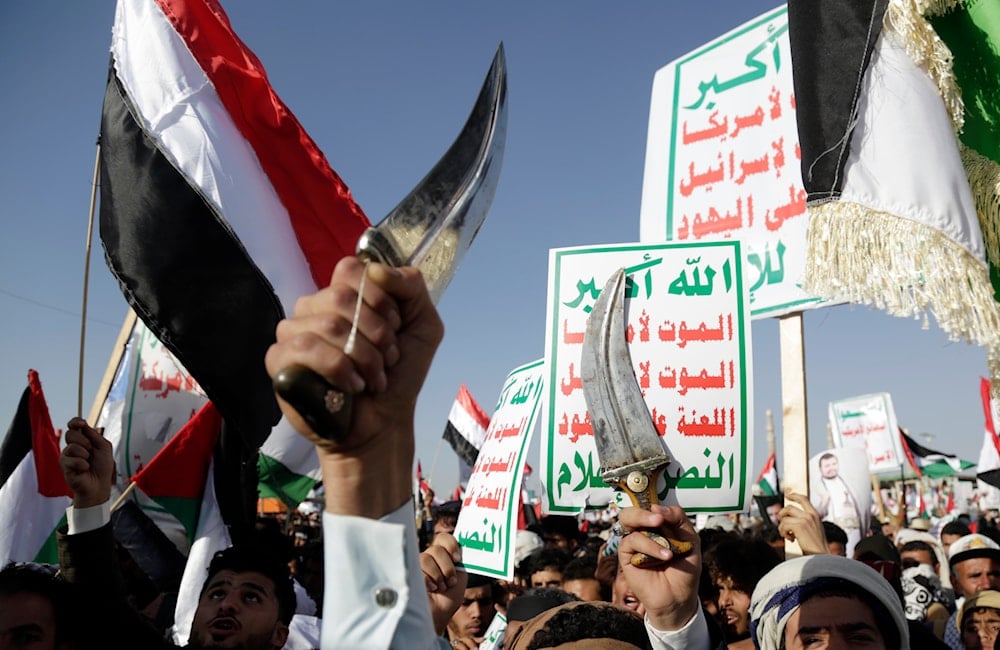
470,406
180,467
909,454
44,443
326,220
984,391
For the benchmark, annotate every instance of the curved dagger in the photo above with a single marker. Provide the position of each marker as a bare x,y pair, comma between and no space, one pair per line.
431,228
630,450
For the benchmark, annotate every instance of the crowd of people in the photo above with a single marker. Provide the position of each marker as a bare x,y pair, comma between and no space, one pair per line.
383,574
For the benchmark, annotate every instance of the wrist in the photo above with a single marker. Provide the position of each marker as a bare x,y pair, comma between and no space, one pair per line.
370,485
672,619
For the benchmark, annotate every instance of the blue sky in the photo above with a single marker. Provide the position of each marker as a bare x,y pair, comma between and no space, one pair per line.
383,88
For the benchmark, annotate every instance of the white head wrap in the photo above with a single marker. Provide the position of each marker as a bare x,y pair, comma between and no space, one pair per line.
909,535
781,591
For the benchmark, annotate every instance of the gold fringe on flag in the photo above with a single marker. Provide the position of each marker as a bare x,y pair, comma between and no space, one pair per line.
917,36
860,255
984,180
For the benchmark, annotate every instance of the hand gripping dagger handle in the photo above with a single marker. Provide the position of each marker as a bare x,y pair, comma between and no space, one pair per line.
325,408
430,228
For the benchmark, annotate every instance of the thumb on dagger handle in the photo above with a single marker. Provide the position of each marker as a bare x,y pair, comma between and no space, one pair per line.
643,496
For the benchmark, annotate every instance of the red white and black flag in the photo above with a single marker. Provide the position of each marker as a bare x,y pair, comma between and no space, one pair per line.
217,209
988,470
466,429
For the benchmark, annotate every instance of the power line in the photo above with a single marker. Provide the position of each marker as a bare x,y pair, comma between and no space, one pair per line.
68,312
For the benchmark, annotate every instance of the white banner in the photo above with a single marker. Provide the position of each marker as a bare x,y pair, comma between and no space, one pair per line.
488,519
689,338
868,422
722,159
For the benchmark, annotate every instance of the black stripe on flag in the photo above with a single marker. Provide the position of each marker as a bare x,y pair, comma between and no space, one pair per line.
17,442
185,274
831,45
462,446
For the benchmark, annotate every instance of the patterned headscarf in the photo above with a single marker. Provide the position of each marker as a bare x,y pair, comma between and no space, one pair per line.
921,589
788,585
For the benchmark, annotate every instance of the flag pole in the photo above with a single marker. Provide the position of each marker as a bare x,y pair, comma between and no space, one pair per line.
124,495
794,421
437,452
109,373
86,275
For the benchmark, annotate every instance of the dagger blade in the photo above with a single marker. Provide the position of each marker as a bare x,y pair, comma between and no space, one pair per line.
435,224
431,228
624,433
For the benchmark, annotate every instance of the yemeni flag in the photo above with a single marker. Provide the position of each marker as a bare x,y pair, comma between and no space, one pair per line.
33,493
217,209
175,477
930,463
466,430
767,481
988,470
893,221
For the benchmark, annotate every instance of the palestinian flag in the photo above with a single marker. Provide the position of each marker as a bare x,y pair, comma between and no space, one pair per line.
33,494
889,202
217,209
175,477
211,536
287,467
930,463
988,470
466,429
768,479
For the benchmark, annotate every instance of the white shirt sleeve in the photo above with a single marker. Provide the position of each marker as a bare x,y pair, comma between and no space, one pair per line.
693,636
374,594
84,520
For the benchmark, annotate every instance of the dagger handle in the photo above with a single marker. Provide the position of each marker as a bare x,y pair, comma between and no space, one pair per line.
641,490
325,408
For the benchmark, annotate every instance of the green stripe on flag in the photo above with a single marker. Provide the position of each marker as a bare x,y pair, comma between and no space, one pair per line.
186,511
49,552
276,480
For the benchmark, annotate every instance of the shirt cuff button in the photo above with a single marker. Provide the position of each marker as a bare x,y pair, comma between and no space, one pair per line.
386,597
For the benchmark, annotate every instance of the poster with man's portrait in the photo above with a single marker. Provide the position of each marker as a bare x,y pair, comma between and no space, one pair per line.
840,488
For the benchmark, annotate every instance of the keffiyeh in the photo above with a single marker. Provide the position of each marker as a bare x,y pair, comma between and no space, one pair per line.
784,588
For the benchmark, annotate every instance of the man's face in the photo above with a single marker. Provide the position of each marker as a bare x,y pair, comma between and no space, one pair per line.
974,575
980,628
622,596
547,577
445,524
916,557
772,513
947,539
583,588
828,467
558,540
238,610
474,615
734,609
837,548
27,621
833,622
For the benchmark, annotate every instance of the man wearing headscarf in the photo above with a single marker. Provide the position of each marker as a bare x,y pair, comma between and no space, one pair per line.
830,598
